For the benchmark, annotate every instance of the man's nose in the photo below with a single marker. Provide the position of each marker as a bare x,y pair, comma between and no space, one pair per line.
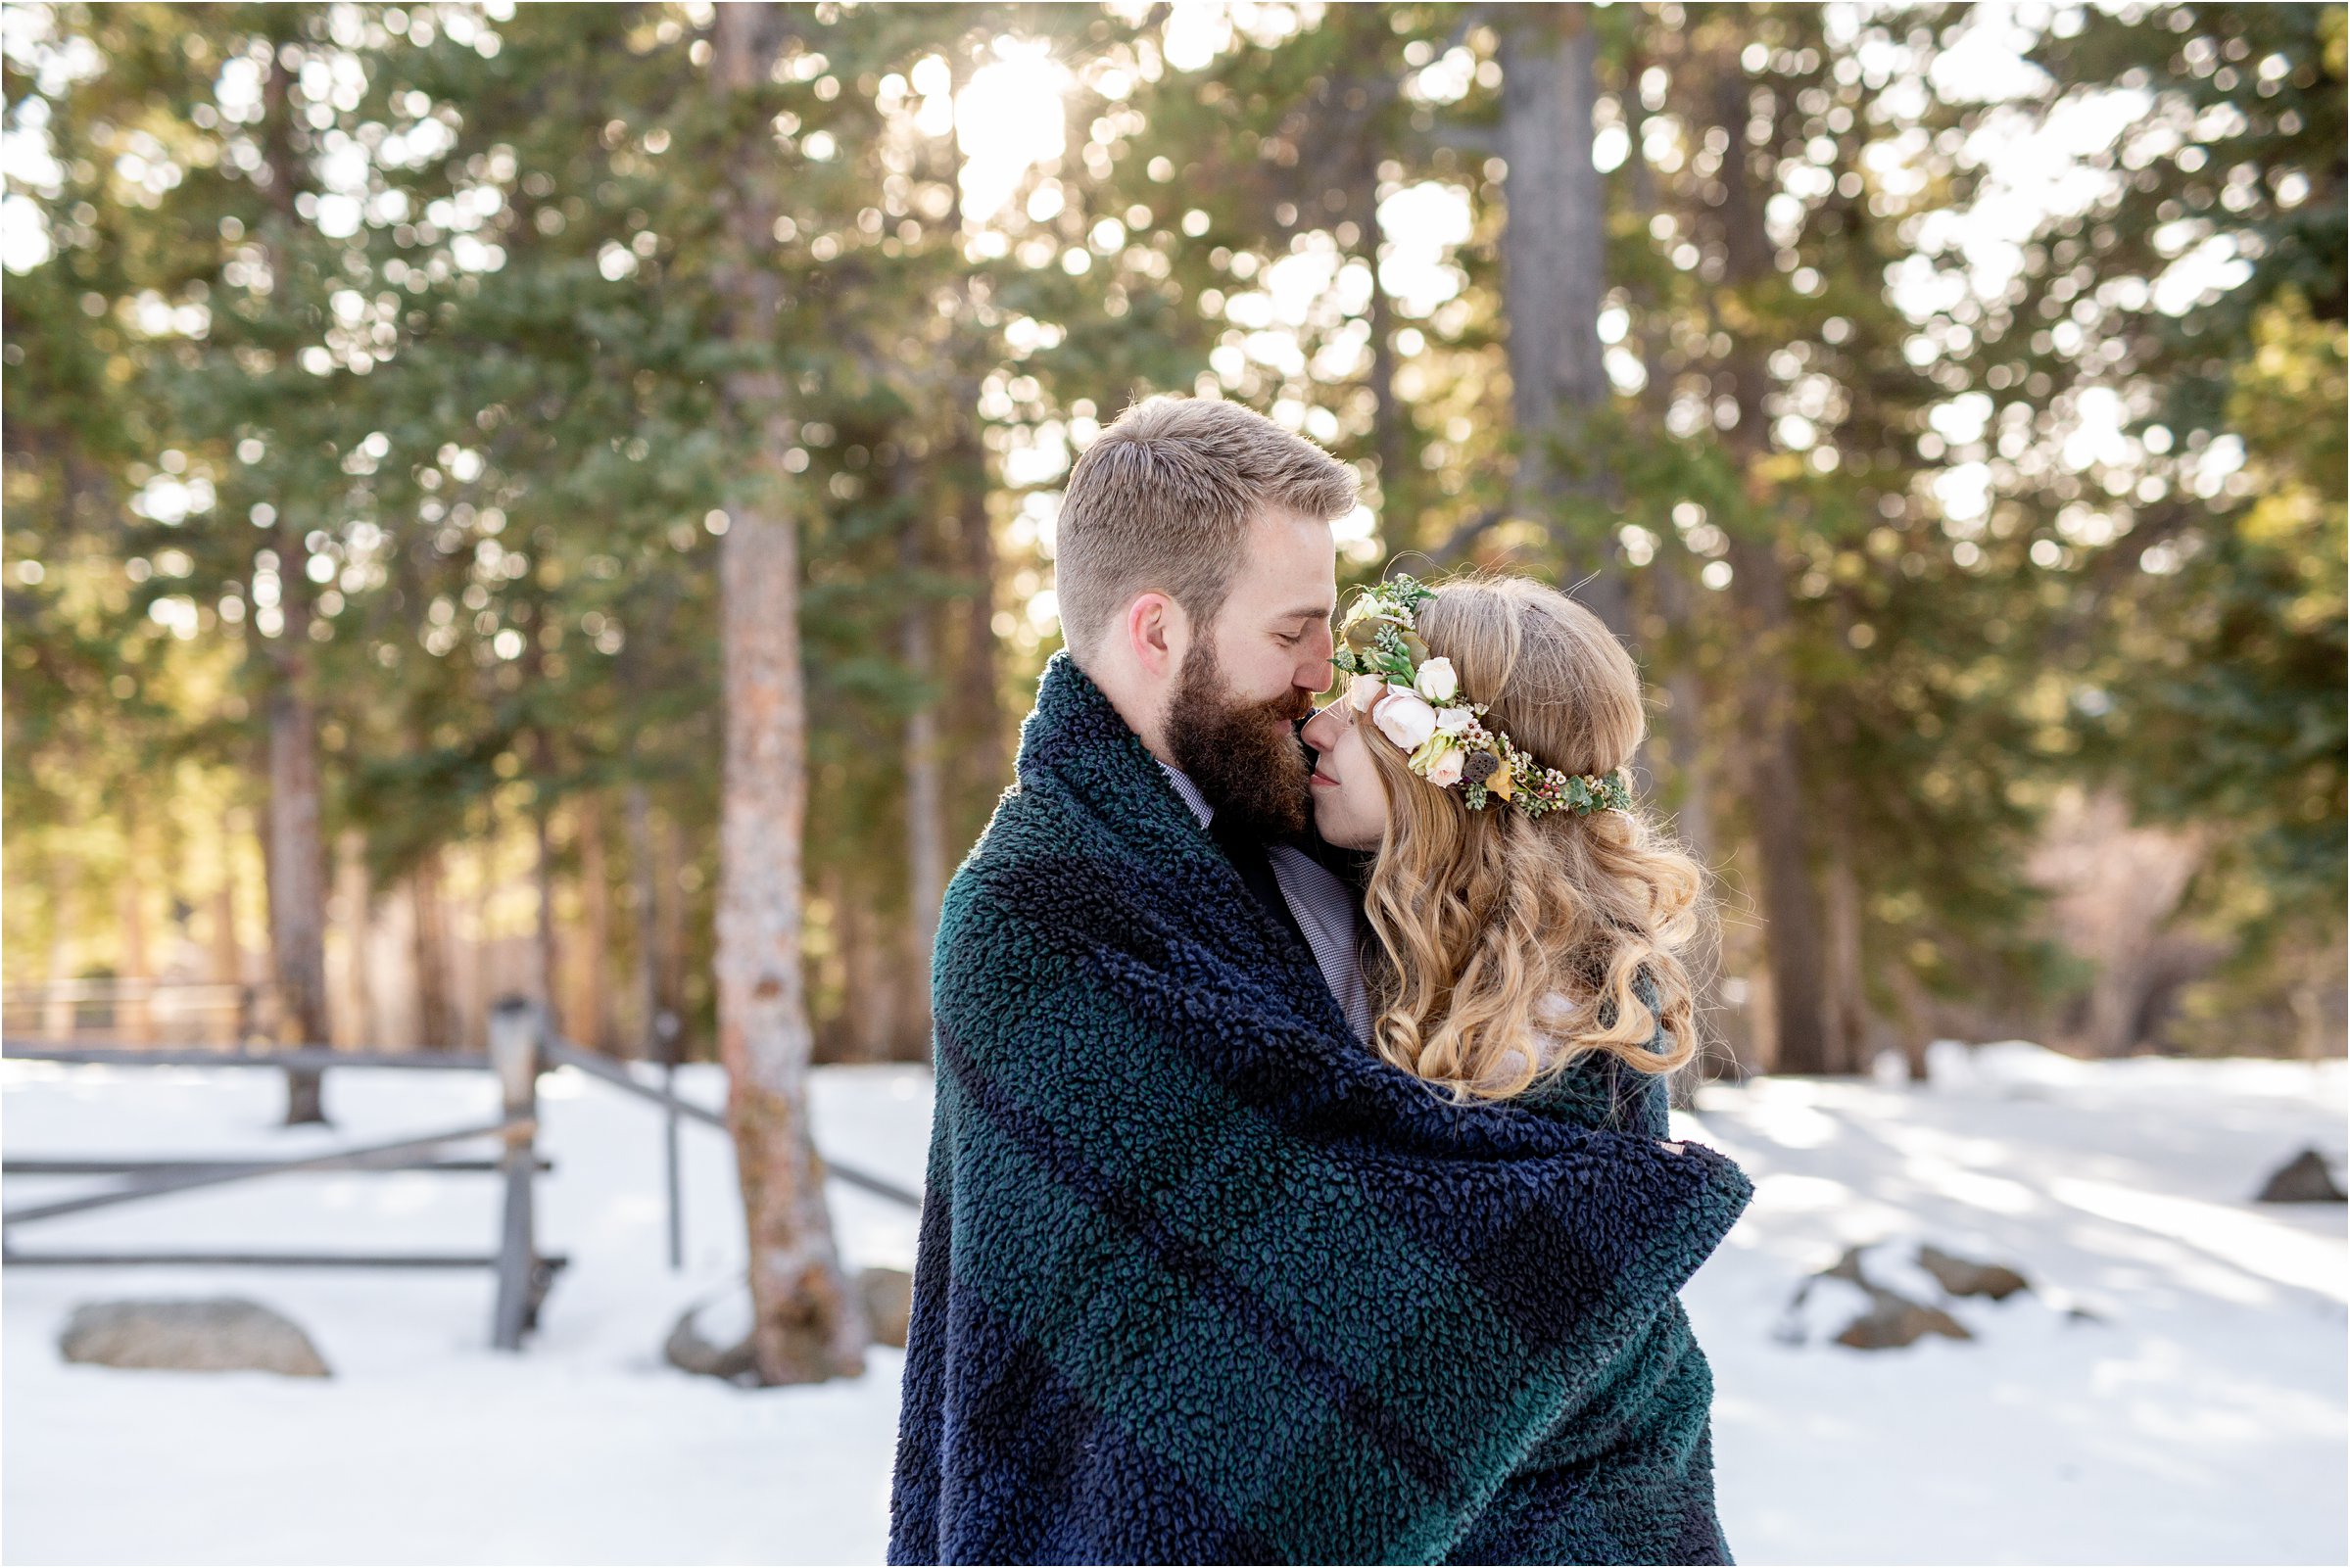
1318,672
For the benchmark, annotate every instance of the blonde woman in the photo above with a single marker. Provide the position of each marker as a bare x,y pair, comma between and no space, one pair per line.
1531,927
1526,934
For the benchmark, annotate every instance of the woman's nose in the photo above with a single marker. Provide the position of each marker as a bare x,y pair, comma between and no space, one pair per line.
1317,731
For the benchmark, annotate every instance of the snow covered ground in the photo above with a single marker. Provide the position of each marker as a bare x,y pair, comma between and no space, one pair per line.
2199,1417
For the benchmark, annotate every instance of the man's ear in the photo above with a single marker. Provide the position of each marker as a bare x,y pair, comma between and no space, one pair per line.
1158,631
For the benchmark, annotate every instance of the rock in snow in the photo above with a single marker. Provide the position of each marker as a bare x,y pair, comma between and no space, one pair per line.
1959,1277
1893,1321
216,1334
2302,1179
889,1303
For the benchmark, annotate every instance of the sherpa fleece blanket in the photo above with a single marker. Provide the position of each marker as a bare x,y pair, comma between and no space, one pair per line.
1200,1279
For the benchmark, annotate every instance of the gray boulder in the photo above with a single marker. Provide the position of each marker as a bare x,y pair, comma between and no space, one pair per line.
217,1334
1893,1321
889,1296
690,1350
2302,1179
1960,1277
889,1303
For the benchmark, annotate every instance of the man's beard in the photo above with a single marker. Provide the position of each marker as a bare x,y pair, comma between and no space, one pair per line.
1245,757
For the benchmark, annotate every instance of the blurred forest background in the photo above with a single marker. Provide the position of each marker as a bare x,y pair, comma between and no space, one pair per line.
1945,402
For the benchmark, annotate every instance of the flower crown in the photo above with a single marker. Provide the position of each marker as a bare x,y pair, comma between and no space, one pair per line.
1415,702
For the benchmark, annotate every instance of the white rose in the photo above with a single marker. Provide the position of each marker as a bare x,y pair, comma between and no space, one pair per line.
1404,718
1436,681
1452,721
1363,692
1445,771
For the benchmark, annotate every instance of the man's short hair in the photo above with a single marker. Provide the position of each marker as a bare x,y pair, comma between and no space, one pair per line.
1162,501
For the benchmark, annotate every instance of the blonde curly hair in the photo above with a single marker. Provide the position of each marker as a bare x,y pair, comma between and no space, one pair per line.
1498,930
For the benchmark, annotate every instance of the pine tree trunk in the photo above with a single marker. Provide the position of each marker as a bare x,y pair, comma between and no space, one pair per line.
1916,1019
926,848
133,1017
645,894
1397,482
353,899
543,957
1553,276
437,1025
59,1015
869,976
296,847
669,932
1777,802
1685,721
1848,1000
297,863
808,1324
1687,733
474,1016
976,732
592,990
229,952
1685,724
982,754
1364,99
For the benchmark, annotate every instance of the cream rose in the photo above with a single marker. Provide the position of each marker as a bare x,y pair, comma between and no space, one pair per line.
1436,681
1452,721
1405,717
1445,771
1364,691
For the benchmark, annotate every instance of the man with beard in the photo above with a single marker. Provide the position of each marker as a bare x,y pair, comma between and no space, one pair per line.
1144,911
1197,578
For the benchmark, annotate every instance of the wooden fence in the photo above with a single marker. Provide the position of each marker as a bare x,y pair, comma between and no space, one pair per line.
522,1047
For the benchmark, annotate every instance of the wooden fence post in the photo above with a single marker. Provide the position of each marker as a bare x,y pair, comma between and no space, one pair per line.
516,1028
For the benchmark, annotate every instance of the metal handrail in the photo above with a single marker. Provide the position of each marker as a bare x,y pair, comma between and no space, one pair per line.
117,988
304,1057
568,1054
163,1183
